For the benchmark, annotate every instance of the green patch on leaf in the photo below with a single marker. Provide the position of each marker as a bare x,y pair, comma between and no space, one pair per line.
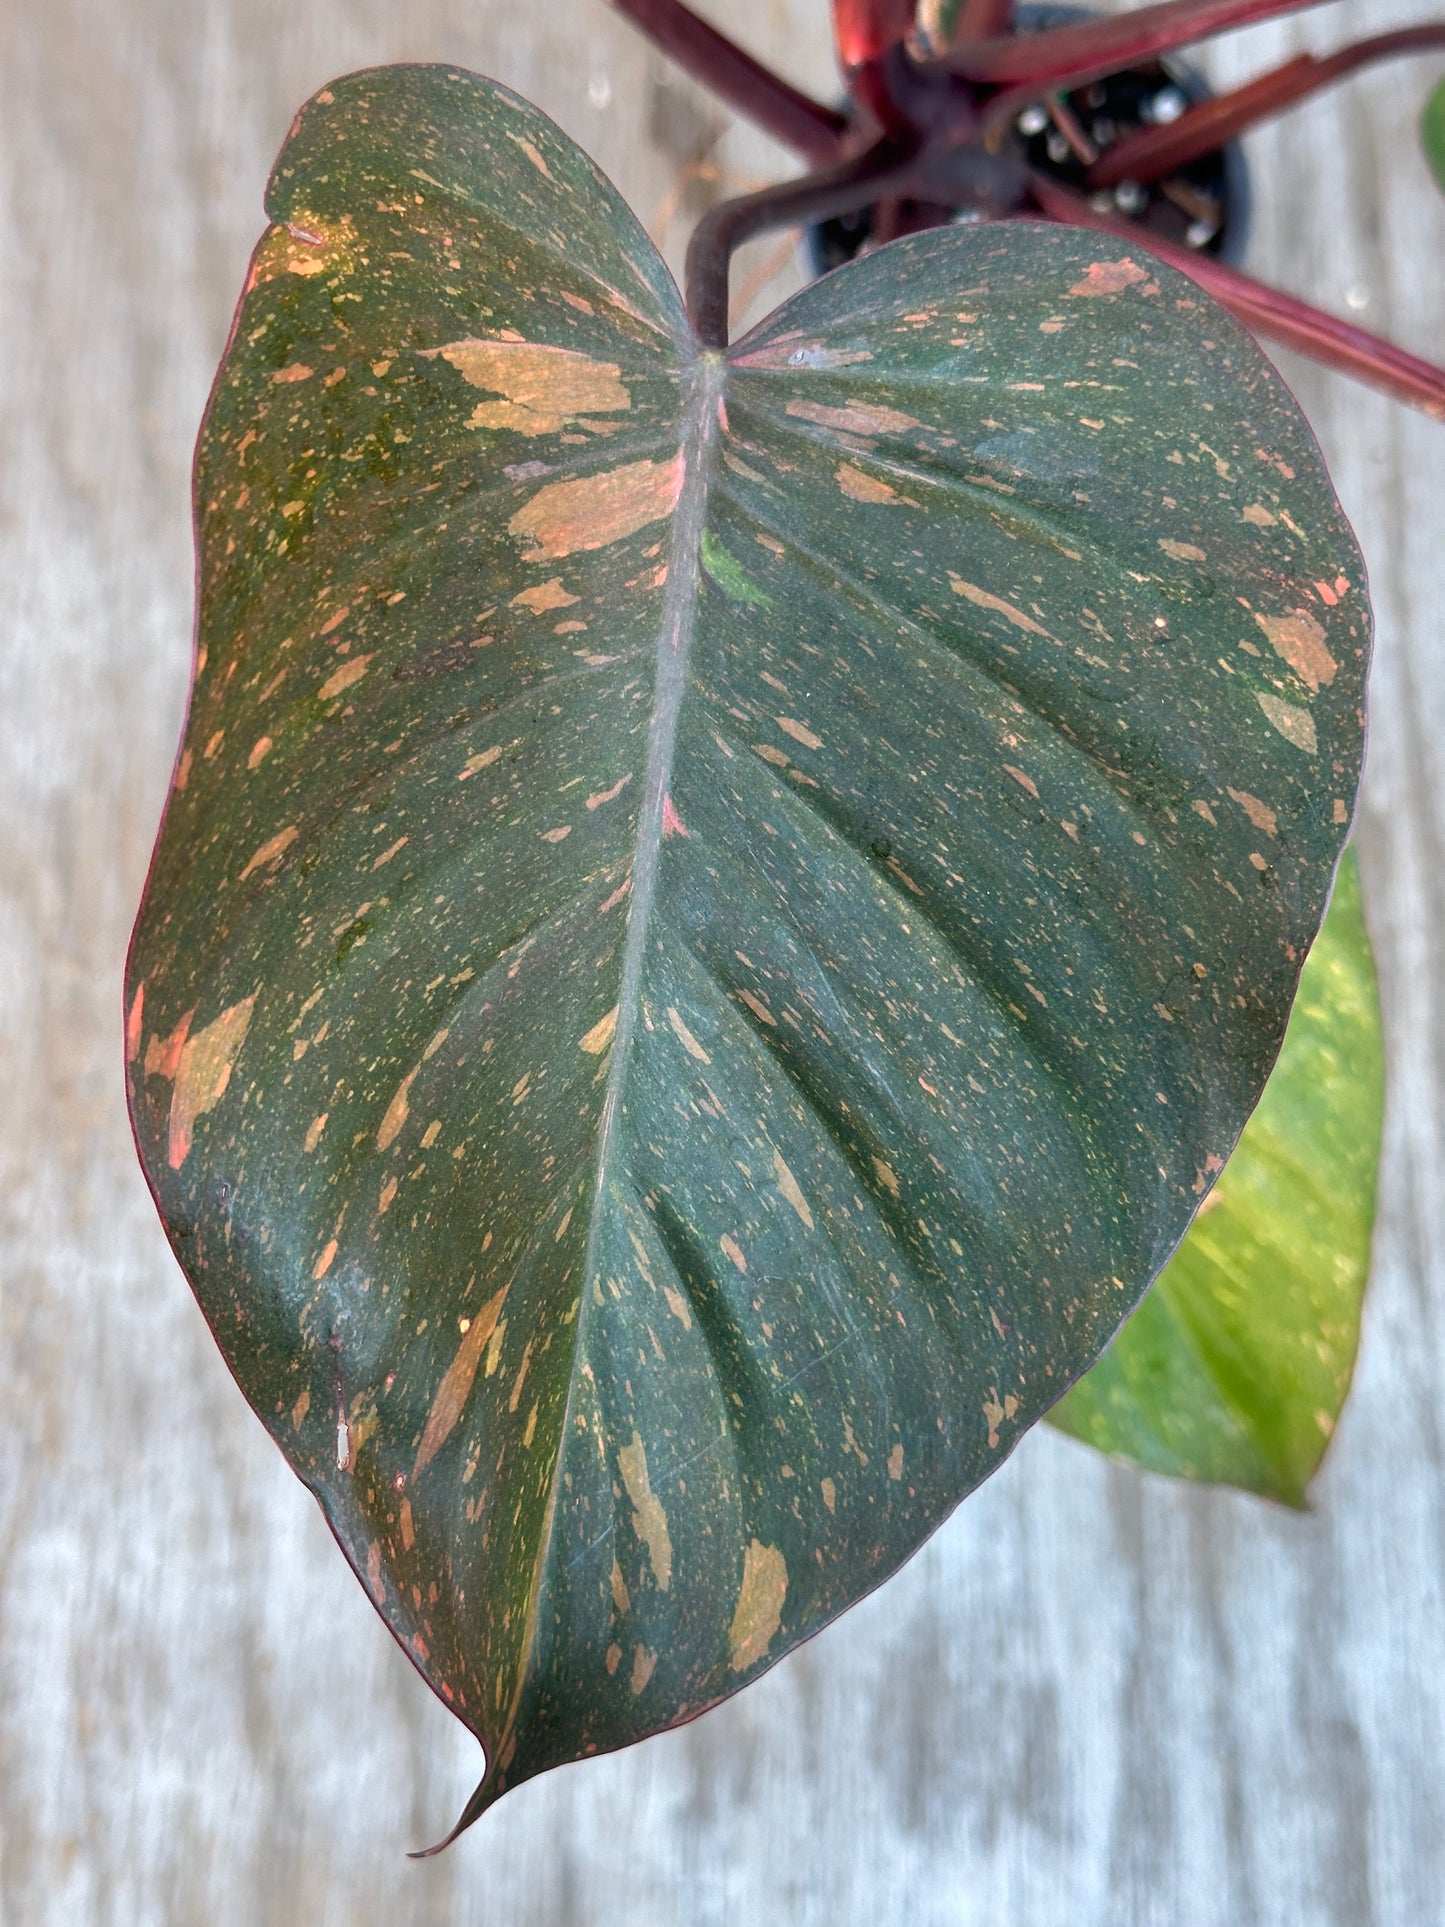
1235,1367
728,573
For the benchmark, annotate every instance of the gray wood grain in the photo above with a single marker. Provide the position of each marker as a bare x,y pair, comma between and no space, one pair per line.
1094,1698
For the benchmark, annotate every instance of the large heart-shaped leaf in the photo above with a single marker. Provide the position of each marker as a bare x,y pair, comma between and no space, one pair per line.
718,915
1236,1365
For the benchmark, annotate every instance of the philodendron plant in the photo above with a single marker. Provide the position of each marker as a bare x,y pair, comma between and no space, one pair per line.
724,906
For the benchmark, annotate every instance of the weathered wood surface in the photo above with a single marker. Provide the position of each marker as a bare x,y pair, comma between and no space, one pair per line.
1094,1698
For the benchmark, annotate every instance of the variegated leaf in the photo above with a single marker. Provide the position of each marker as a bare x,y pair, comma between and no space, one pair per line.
718,915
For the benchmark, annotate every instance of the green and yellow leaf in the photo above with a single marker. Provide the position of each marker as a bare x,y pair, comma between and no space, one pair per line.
1236,1366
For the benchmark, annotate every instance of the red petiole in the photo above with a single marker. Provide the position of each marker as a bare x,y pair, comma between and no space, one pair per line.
1212,123
1071,55
805,125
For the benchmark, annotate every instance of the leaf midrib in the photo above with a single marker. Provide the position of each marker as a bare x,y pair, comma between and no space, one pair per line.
705,377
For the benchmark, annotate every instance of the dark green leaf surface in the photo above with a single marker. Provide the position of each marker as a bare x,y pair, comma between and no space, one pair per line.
1235,1367
1432,132
718,915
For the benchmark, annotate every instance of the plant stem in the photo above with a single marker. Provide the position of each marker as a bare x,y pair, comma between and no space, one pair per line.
886,168
1090,50
866,30
799,122
982,20
1268,312
1156,151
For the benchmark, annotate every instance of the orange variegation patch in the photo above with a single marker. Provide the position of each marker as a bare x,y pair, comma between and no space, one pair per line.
593,511
203,1073
541,387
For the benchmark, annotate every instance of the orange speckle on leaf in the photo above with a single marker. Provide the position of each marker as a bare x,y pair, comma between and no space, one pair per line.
593,511
649,1521
864,488
202,1074
857,418
1109,277
344,677
1023,781
545,595
791,1189
672,823
134,1023
324,1262
482,760
993,1411
799,732
982,599
601,1034
685,1036
163,1055
607,796
456,1385
759,1610
1259,814
532,154
758,1008
271,851
396,1112
1300,641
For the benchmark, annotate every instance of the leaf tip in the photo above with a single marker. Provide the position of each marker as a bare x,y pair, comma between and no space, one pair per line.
489,1791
